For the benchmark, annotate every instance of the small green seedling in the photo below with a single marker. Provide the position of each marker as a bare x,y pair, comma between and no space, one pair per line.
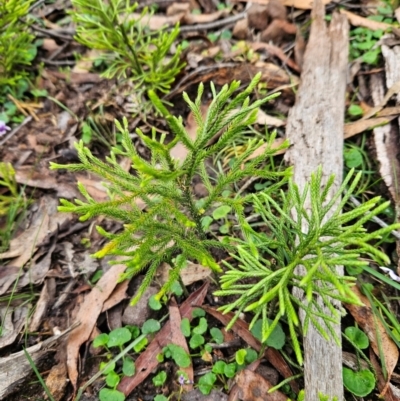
361,382
117,338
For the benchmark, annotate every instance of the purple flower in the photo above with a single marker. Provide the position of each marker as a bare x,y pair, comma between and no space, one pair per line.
182,380
3,128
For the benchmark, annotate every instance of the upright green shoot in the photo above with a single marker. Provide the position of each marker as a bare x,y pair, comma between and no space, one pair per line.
162,217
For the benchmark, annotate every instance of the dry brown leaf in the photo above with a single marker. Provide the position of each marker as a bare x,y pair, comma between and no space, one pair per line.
12,322
278,31
265,119
194,272
156,22
351,129
87,316
42,178
258,16
178,338
50,45
45,221
57,381
275,51
302,4
373,327
45,300
241,29
118,295
85,64
356,20
147,360
384,387
253,387
191,19
177,8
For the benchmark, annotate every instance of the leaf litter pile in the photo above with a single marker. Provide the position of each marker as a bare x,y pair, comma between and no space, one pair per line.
68,330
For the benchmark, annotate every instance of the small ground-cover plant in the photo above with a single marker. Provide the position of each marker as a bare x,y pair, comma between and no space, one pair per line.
12,203
130,50
364,41
263,284
170,227
117,338
16,51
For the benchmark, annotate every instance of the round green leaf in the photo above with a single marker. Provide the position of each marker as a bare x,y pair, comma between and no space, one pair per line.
160,397
206,222
357,336
355,110
109,369
135,331
112,379
101,340
221,212
202,327
359,383
240,356
230,370
353,158
251,355
206,383
128,366
107,394
275,340
141,344
160,378
178,354
219,367
196,341
185,327
217,335
119,337
176,288
151,326
154,303
198,312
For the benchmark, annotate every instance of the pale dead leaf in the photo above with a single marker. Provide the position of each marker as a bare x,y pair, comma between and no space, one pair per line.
356,20
50,45
44,222
253,387
302,4
13,320
57,381
118,295
351,129
191,19
178,338
156,22
265,119
194,272
274,51
373,327
87,316
45,300
177,8
85,64
42,178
